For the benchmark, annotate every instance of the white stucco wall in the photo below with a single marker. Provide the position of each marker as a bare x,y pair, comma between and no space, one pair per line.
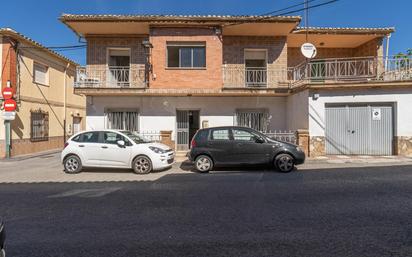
297,111
159,113
402,107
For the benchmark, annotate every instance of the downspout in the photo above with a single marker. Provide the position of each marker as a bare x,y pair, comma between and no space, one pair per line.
64,102
387,51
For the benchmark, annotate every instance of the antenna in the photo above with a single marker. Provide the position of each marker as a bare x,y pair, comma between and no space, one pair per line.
308,50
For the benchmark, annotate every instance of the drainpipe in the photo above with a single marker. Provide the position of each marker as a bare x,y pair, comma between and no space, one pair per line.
387,51
64,102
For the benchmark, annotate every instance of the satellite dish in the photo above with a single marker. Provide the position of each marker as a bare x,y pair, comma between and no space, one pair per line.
308,50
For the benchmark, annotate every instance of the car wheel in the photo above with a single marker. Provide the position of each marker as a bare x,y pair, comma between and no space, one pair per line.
203,163
142,165
284,162
72,164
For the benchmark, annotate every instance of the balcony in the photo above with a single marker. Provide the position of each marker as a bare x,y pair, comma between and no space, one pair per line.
253,77
320,71
110,77
352,70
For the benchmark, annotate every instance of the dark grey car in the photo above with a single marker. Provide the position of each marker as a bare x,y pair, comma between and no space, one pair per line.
2,239
228,146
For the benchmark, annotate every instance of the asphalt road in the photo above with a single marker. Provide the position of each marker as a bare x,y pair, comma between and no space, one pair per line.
335,212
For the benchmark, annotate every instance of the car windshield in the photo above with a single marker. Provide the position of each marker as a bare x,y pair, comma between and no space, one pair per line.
138,139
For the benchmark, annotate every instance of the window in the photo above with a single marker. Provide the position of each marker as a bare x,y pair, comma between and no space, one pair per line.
186,56
39,124
124,120
112,138
242,135
40,74
88,137
255,119
220,134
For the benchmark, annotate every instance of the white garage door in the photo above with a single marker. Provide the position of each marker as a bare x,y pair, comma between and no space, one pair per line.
359,130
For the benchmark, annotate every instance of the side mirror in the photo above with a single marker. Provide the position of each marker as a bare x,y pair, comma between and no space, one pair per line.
259,140
121,143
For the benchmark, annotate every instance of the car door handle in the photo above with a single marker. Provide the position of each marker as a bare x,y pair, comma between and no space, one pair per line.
105,147
81,145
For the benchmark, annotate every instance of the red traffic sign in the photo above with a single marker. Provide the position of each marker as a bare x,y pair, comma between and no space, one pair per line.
7,93
9,105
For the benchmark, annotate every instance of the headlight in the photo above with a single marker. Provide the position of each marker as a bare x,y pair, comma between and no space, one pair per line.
299,149
156,149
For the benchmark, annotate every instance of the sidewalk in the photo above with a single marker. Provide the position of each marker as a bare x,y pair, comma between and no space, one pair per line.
30,156
46,167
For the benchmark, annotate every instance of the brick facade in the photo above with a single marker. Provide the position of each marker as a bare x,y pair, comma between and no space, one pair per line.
210,77
9,66
97,49
234,48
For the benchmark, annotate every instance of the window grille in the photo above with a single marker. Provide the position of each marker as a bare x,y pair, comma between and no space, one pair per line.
39,124
258,120
124,120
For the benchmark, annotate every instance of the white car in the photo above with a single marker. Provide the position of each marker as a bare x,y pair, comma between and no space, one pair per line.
115,149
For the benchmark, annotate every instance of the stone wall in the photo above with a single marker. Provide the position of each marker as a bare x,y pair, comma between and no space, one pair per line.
317,146
403,145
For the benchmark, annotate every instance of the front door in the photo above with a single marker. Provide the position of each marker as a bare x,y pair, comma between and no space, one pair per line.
246,150
187,123
111,154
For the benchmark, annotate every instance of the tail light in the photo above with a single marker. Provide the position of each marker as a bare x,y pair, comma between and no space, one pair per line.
66,144
193,143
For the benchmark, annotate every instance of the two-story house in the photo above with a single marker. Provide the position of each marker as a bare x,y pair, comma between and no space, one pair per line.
48,111
181,73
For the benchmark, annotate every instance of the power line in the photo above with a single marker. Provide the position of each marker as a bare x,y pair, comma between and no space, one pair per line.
310,7
286,8
265,16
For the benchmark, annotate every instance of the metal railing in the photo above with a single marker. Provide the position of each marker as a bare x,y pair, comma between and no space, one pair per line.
253,77
151,135
285,136
353,69
315,71
397,68
110,77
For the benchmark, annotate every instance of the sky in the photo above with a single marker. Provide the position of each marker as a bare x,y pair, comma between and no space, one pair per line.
38,19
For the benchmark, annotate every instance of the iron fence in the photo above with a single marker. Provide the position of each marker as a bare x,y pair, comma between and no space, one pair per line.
288,136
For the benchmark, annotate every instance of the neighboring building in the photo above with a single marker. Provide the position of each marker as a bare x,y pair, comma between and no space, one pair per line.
181,73
43,84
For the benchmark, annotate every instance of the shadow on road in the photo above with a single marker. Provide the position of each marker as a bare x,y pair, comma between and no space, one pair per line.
188,166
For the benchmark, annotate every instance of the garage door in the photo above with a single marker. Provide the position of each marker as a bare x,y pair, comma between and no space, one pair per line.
359,130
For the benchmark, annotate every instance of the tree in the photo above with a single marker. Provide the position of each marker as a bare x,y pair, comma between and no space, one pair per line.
404,60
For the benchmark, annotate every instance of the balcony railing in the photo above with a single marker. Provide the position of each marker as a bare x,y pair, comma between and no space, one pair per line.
110,77
353,69
256,77
235,77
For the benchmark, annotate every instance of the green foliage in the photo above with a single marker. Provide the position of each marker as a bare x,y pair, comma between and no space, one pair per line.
404,59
